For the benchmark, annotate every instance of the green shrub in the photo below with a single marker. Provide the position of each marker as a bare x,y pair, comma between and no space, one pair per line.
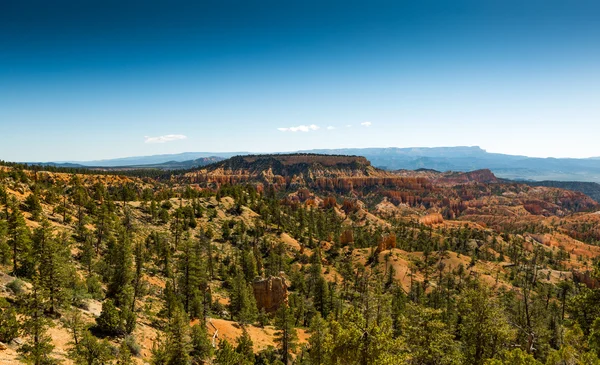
9,325
17,286
109,322
134,347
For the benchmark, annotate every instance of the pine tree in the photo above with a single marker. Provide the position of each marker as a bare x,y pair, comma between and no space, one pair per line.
5,254
39,346
318,287
91,351
243,303
102,222
177,227
153,211
245,345
4,200
73,321
170,301
54,255
205,241
87,255
189,273
594,336
428,340
201,345
110,321
121,271
140,259
226,355
318,352
79,197
178,338
514,357
19,238
159,352
9,325
32,202
321,296
484,329
124,357
286,335
248,264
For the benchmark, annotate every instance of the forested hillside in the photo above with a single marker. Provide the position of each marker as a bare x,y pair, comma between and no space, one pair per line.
295,260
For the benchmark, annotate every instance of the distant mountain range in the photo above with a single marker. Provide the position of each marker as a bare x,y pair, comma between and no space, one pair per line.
474,158
145,161
437,158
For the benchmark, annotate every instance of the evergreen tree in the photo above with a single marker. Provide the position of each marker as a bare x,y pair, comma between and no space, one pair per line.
110,321
318,288
286,335
32,202
514,357
9,325
5,253
177,227
4,200
124,357
178,342
73,321
159,352
103,223
54,268
594,337
483,328
242,302
201,345
428,340
319,337
189,273
140,259
226,355
245,346
248,264
91,351
121,273
39,346
18,239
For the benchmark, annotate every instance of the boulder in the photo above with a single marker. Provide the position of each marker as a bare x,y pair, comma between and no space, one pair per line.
270,293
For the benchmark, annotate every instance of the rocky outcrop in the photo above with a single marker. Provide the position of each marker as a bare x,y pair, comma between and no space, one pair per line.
270,293
387,243
431,219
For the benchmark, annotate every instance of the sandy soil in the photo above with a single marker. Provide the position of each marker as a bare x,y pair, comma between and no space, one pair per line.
261,337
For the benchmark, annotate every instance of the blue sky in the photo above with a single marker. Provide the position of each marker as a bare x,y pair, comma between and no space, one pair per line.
83,80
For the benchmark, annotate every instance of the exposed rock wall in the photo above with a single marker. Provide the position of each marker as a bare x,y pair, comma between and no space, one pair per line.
270,293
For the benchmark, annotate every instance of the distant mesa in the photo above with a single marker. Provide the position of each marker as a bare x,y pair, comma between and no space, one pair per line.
461,158
281,162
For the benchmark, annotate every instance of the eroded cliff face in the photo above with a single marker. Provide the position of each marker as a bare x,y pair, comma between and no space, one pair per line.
270,293
452,194
284,172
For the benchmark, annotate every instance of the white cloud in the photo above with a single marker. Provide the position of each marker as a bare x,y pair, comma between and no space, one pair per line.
348,125
164,139
300,128
366,124
330,128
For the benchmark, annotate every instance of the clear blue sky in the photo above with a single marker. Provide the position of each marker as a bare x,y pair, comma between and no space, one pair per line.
83,80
